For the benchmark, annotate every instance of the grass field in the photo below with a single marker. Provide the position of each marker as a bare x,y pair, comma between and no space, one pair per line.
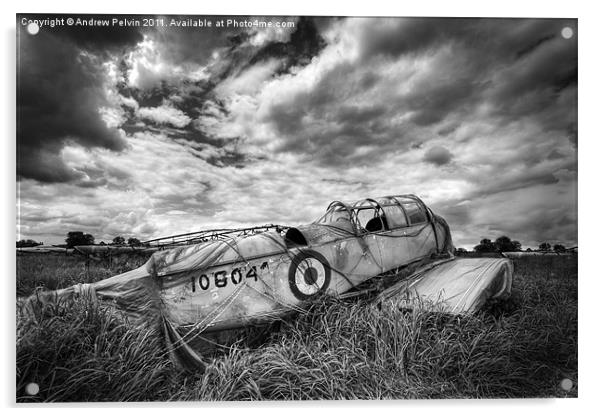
523,347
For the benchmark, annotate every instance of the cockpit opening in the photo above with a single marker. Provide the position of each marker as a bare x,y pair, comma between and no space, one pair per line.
294,237
377,224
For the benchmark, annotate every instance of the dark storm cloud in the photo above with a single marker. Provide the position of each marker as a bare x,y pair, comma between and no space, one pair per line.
438,155
194,45
535,226
552,65
61,88
505,39
305,42
59,93
434,98
90,37
100,39
531,214
571,131
238,51
234,45
518,67
321,118
359,114
408,35
455,213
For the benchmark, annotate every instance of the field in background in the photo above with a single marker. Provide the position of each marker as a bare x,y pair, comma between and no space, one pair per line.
57,271
523,347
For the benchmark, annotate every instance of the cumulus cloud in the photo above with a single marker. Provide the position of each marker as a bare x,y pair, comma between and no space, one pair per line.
261,37
60,92
249,81
148,67
164,114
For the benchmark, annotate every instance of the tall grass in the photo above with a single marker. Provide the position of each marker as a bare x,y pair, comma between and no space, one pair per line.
84,353
522,347
57,271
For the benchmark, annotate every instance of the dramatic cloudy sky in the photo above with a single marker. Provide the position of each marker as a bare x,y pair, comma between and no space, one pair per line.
148,132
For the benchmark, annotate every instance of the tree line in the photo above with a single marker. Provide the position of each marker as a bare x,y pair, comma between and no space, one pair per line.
501,244
504,244
28,243
79,238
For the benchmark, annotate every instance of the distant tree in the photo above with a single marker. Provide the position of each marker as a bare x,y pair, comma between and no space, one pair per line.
78,238
133,242
529,249
544,247
119,241
102,243
461,250
28,243
559,248
504,243
485,246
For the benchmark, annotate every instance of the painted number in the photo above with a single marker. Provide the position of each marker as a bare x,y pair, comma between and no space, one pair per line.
222,277
236,276
204,282
252,273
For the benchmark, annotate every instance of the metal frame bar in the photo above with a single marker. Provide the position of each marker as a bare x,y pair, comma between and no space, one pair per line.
352,209
210,235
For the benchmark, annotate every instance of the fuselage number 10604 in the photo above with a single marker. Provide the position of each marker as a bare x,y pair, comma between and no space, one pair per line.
221,278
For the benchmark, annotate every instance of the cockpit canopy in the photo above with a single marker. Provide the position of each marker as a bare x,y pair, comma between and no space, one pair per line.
373,215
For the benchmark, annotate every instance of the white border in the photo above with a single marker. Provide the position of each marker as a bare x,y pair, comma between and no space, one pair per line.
589,185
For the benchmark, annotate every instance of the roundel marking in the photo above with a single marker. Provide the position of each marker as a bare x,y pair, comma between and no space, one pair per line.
309,274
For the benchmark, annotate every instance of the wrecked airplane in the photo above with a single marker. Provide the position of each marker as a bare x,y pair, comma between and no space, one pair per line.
206,282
